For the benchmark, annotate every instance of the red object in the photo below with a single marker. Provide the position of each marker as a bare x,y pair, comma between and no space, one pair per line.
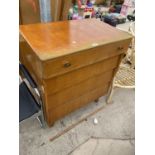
88,9
112,9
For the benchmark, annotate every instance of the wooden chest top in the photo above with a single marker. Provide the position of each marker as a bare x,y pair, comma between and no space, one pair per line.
57,39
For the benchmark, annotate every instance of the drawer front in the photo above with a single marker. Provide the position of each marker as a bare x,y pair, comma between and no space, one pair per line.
75,91
61,111
77,60
64,81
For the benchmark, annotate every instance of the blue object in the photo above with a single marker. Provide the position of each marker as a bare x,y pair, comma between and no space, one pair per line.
89,4
110,20
118,8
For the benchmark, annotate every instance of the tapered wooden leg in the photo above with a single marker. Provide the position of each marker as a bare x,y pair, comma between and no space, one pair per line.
96,100
109,97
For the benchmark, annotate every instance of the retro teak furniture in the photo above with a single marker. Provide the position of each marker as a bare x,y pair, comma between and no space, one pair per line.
72,62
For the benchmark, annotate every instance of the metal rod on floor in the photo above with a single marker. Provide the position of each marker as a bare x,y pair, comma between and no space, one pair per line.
77,123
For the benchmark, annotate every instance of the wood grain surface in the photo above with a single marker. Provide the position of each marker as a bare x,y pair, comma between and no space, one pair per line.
56,39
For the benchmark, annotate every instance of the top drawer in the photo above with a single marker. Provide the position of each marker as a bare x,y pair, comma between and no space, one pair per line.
80,59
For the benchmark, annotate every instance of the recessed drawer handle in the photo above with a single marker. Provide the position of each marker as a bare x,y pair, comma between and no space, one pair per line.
120,48
67,64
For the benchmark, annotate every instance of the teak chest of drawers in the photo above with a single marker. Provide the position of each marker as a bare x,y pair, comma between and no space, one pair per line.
72,62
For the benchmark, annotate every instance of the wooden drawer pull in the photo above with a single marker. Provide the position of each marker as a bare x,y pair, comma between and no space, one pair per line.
120,48
67,64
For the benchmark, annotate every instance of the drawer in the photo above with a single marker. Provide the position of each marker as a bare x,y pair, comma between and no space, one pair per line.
79,59
75,91
66,80
61,111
